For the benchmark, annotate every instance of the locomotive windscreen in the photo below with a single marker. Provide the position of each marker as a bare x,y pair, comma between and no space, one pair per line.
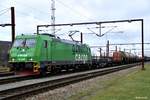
24,43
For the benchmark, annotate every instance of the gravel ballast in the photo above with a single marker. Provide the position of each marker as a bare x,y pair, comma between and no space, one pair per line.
84,88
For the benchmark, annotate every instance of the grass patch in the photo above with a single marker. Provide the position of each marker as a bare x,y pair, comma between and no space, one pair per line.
134,86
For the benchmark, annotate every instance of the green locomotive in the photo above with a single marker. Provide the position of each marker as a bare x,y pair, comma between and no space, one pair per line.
44,53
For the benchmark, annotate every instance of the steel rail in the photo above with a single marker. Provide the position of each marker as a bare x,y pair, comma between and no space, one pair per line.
14,78
16,93
2,74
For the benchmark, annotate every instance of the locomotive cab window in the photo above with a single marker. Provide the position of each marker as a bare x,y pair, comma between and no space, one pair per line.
23,42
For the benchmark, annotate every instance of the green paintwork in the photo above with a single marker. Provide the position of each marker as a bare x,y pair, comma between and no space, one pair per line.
49,49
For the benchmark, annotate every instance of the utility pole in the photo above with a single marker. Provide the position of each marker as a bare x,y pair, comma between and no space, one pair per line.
142,41
53,16
81,37
100,52
116,48
13,23
107,49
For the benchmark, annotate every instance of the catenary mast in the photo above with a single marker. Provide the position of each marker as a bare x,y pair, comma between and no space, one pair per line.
53,16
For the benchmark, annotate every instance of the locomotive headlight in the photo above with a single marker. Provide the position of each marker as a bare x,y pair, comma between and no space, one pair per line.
31,59
13,59
23,50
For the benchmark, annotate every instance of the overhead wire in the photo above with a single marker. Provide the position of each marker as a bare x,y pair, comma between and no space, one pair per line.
21,12
35,9
4,11
72,9
30,8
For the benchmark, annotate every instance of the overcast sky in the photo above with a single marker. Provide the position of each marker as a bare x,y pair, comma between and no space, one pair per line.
30,13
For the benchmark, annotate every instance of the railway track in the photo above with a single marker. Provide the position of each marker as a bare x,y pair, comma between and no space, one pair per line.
15,78
29,87
2,74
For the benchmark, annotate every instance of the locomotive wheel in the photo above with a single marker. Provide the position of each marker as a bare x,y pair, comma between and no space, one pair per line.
49,68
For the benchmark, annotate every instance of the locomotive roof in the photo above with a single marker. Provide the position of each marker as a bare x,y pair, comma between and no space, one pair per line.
52,36
62,40
70,42
26,36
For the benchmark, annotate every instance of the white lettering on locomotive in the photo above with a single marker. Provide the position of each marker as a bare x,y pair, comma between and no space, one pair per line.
81,57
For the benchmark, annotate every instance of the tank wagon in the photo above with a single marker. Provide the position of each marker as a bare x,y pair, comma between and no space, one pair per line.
120,57
44,53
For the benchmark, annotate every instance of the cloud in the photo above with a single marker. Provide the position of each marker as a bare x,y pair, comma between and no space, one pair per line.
30,13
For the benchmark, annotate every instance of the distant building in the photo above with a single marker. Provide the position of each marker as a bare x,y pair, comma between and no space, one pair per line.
4,49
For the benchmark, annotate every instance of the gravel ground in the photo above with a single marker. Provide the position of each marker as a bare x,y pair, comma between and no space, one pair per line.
65,93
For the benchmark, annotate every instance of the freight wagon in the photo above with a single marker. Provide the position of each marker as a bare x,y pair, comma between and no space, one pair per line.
120,57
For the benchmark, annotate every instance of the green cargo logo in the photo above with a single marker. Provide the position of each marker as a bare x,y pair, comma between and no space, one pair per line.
80,57
22,55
